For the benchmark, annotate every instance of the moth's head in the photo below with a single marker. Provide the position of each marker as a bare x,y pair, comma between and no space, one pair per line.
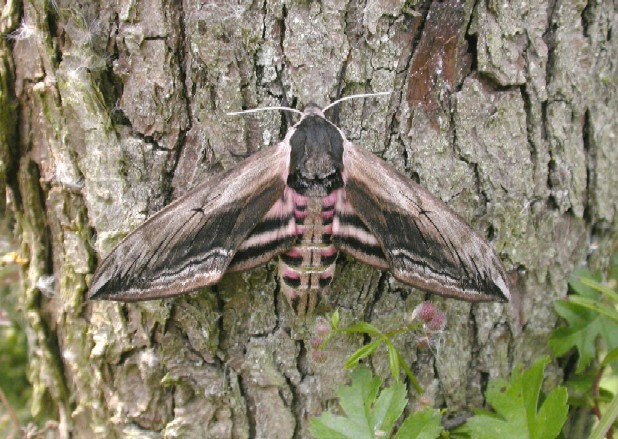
316,158
313,109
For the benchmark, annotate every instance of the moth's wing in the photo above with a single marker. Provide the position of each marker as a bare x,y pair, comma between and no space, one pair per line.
272,236
191,242
424,242
352,236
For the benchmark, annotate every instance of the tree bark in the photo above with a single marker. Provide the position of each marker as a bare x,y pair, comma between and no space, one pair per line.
112,109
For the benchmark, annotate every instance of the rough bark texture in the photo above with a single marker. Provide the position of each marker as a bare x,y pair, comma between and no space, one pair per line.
111,109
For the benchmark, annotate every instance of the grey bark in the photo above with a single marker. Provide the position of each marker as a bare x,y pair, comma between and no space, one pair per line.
112,109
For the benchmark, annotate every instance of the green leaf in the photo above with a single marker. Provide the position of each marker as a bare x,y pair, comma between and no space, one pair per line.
361,353
518,415
389,407
426,424
580,388
610,357
601,288
578,287
596,306
584,326
363,328
596,319
367,410
334,320
393,359
329,426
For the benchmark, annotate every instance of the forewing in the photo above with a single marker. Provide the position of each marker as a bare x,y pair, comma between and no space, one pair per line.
425,243
190,243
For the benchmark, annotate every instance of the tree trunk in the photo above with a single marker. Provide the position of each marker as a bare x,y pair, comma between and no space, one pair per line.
112,109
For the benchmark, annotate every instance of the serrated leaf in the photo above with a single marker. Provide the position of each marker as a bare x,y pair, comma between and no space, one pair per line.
367,411
583,328
356,399
578,287
329,426
581,332
552,415
426,424
516,403
389,406
595,306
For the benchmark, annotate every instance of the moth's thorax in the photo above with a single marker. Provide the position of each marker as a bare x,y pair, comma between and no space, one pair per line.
316,156
307,269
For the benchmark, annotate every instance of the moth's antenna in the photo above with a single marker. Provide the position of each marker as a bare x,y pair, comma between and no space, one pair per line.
255,110
366,95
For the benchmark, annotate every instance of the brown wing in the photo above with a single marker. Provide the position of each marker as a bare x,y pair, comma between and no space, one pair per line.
424,242
352,236
190,243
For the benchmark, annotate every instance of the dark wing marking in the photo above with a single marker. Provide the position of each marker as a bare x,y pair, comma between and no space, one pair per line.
190,243
425,243
272,236
351,235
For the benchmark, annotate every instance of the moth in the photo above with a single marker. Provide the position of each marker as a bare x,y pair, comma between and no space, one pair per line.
304,200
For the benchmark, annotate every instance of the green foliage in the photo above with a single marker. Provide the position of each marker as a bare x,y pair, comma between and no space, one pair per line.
590,314
13,344
371,412
591,319
13,361
396,360
13,350
424,424
518,414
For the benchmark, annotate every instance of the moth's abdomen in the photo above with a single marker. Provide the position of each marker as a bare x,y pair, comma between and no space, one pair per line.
307,269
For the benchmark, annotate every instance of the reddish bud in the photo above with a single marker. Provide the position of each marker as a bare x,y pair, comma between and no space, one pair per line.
425,311
322,327
319,356
315,342
437,323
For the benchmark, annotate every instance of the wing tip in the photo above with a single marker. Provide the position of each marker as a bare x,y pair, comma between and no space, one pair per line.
94,295
100,291
504,294
96,290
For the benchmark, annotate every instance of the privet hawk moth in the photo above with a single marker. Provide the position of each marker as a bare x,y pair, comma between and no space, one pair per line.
303,200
